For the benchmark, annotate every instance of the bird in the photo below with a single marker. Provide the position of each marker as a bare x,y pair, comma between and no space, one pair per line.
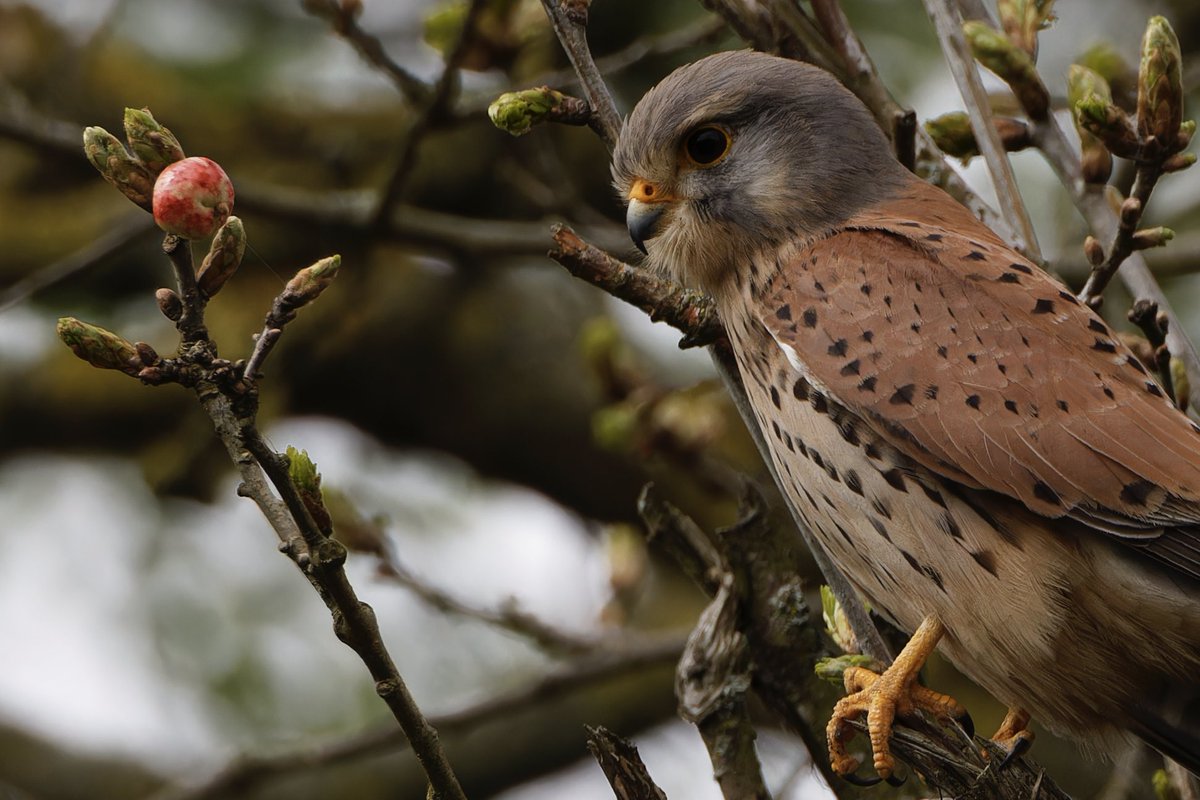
976,450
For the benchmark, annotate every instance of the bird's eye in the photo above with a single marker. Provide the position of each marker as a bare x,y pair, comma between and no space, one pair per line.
706,146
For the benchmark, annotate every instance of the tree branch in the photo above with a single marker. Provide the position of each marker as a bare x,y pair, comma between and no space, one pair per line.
569,20
948,23
344,21
581,673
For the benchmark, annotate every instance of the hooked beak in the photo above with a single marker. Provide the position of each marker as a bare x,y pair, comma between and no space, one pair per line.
642,220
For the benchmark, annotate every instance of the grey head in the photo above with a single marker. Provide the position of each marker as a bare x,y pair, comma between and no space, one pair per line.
740,152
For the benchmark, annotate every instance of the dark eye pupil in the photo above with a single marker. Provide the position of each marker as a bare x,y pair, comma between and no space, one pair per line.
706,145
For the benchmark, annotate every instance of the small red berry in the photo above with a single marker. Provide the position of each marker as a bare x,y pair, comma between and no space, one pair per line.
192,198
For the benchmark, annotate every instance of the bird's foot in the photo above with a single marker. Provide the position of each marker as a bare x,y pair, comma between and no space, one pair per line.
1013,736
882,698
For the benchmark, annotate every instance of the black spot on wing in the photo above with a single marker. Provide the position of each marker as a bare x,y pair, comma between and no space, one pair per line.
895,479
1137,492
1043,492
985,559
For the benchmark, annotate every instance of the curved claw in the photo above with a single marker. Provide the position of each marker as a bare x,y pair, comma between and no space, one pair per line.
1019,748
892,780
967,723
857,781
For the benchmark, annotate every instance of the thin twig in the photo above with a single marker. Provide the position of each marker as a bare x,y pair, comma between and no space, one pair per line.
689,311
624,768
1123,245
119,236
948,23
344,21
550,638
430,114
569,20
1050,138
631,656
320,558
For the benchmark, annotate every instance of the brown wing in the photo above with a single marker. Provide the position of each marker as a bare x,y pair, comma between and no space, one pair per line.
979,366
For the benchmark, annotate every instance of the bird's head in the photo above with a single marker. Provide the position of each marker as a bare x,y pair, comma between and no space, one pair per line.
742,151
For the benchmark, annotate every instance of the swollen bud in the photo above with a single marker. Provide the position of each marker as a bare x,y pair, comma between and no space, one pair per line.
1086,84
309,282
953,135
1022,19
192,198
152,143
224,257
116,166
1160,83
1179,161
169,304
1094,251
1151,237
303,472
101,348
1109,124
518,112
1015,66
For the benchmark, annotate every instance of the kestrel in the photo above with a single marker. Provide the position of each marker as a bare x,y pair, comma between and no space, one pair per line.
974,448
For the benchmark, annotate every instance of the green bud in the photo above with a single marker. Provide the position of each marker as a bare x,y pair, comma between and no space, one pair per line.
615,427
518,112
304,475
309,282
101,348
836,624
1160,83
953,135
1107,123
224,257
1083,82
1164,787
1180,382
1152,237
443,26
153,144
1104,59
834,669
1022,19
1178,162
1015,66
116,166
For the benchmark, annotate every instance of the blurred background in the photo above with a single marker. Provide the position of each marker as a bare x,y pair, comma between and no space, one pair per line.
483,421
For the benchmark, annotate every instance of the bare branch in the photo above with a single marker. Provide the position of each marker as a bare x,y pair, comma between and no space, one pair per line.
948,23
1051,139
343,20
577,675
117,238
626,773
689,311
569,20
431,112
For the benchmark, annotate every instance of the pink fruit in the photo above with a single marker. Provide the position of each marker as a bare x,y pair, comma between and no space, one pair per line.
192,198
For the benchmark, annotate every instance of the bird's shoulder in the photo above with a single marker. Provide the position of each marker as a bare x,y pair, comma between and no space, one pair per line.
978,365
